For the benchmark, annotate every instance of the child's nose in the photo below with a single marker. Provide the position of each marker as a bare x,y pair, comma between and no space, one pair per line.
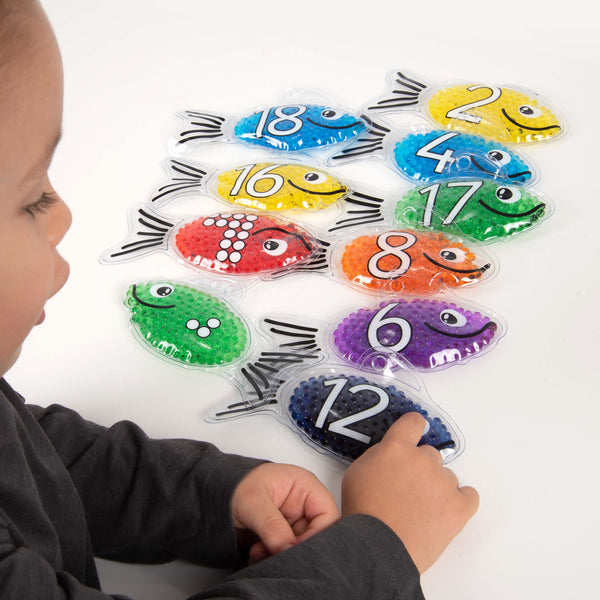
59,221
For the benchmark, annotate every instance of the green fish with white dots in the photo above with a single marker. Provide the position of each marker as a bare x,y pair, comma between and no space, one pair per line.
186,324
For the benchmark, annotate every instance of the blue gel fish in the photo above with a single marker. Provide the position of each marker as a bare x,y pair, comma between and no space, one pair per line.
346,414
438,155
287,127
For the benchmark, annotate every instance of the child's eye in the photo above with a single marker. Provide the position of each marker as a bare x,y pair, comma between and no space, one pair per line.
45,201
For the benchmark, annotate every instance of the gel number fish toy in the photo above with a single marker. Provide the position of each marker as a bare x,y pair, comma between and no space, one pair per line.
194,328
287,128
186,325
482,210
429,334
427,156
410,261
260,186
232,244
507,114
342,412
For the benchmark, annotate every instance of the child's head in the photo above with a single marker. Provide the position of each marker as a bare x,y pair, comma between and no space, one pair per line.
33,219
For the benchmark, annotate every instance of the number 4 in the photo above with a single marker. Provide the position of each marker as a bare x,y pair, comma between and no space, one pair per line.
442,159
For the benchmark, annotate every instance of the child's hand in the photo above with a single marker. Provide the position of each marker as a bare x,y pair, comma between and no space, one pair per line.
407,487
283,505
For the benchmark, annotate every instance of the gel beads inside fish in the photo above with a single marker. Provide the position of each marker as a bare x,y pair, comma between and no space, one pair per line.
345,414
483,210
232,244
426,156
427,333
411,261
286,128
259,186
507,114
186,325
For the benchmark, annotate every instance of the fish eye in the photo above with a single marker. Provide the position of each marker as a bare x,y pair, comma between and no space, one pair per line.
160,290
453,254
508,195
330,114
275,247
314,177
529,111
499,156
452,318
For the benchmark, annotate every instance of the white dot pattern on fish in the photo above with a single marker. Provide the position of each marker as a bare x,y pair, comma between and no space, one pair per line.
204,331
231,250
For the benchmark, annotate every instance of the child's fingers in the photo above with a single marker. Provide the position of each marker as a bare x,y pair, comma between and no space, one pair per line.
408,428
270,526
471,497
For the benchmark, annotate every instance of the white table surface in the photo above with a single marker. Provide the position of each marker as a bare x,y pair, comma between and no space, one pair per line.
528,409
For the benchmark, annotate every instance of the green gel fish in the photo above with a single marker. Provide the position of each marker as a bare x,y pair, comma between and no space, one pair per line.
483,210
186,325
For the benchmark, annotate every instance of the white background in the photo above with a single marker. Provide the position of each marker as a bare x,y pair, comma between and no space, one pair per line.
528,409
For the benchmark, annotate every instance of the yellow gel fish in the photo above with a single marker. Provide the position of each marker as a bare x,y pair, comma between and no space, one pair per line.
504,114
261,186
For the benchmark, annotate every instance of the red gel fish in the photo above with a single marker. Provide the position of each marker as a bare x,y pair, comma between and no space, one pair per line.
235,244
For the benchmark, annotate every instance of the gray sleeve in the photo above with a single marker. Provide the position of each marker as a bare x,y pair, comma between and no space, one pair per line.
357,558
149,500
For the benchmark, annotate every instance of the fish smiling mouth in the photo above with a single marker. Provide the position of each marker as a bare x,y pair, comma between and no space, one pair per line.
334,126
477,271
315,192
525,126
489,325
140,301
510,175
503,214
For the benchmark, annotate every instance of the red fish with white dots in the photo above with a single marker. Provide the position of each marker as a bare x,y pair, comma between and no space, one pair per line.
234,244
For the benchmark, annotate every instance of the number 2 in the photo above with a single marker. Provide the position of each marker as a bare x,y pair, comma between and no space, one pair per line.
341,425
460,113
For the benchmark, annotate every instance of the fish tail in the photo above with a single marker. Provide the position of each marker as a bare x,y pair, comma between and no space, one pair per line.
184,177
149,232
294,344
200,127
364,209
370,141
403,93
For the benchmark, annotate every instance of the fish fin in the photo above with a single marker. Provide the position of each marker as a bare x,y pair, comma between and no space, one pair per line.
318,261
149,233
403,93
184,177
295,344
365,209
200,127
370,141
